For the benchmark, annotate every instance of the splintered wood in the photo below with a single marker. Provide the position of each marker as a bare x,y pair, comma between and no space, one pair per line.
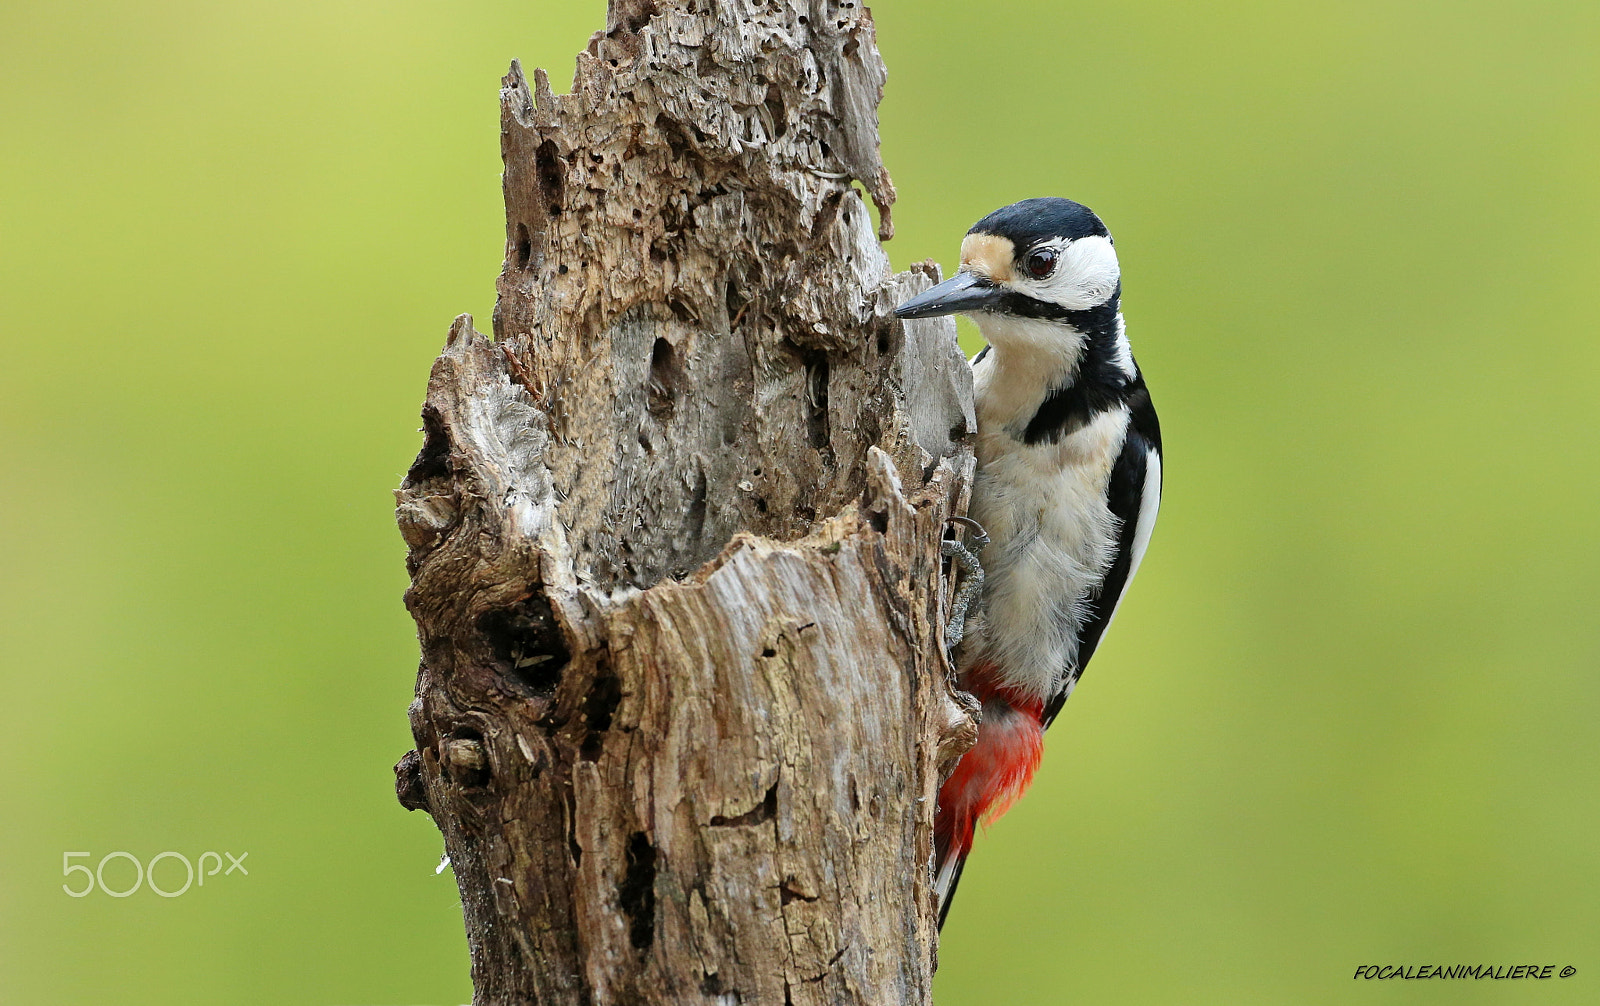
673,536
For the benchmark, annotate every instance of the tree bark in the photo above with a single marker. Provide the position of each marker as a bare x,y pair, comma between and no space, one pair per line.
674,534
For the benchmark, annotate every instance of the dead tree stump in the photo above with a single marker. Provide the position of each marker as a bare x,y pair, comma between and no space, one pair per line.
682,706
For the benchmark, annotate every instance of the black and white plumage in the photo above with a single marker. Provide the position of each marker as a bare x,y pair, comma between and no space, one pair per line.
1068,485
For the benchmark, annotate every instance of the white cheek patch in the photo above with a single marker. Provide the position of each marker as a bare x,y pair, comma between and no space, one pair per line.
1086,276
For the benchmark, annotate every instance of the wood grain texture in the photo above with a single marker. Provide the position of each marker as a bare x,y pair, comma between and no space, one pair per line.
673,536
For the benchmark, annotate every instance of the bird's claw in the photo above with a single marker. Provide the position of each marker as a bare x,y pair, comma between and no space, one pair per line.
980,537
971,578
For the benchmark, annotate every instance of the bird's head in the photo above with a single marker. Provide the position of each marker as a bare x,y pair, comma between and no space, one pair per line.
1048,260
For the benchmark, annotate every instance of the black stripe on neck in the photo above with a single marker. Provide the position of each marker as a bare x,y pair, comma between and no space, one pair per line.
1095,385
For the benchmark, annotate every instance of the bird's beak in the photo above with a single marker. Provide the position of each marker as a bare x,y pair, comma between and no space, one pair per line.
962,293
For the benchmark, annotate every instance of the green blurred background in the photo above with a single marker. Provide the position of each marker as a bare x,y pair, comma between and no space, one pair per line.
1349,712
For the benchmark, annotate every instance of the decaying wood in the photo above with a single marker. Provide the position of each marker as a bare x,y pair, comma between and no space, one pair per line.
673,534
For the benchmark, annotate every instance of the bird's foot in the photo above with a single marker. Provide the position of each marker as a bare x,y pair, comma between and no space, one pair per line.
971,578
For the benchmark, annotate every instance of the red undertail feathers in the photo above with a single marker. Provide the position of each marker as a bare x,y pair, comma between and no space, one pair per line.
990,777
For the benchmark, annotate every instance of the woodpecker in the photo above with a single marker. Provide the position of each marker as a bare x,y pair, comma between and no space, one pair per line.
1068,484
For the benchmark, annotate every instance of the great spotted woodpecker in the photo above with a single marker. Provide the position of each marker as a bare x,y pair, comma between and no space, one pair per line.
1068,484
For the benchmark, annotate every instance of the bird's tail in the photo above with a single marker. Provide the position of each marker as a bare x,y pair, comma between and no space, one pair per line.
988,779
950,863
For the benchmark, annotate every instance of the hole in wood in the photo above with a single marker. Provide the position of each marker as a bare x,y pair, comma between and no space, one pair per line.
672,133
637,892
529,650
598,706
524,247
816,400
552,175
666,379
761,813
736,304
790,890
887,330
433,461
774,104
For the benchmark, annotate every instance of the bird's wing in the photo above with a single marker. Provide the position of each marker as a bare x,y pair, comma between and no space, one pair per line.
1134,496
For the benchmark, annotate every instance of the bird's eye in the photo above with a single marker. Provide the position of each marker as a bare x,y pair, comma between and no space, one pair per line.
1040,262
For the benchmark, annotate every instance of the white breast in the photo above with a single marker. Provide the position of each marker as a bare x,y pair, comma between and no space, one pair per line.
1044,507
